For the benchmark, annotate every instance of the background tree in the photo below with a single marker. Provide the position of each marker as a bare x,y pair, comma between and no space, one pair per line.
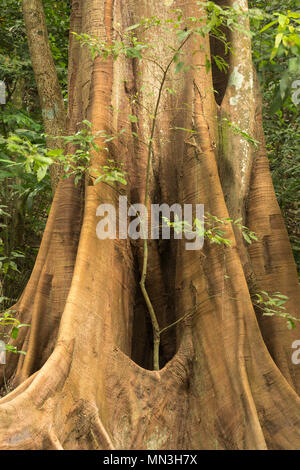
280,112
26,201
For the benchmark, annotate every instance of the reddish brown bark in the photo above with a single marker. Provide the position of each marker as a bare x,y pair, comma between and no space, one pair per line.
85,382
51,98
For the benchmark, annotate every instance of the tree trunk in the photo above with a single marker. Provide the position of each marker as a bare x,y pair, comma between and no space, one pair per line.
51,98
226,379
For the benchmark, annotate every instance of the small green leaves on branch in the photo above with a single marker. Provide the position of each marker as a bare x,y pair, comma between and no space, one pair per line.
287,34
247,234
212,230
33,156
3,213
219,17
110,173
8,262
129,46
216,235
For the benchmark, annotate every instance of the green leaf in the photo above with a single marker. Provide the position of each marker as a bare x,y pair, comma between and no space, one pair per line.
278,40
122,181
169,90
290,324
282,19
87,123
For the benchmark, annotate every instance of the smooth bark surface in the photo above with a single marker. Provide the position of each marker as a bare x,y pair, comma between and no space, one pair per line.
227,380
